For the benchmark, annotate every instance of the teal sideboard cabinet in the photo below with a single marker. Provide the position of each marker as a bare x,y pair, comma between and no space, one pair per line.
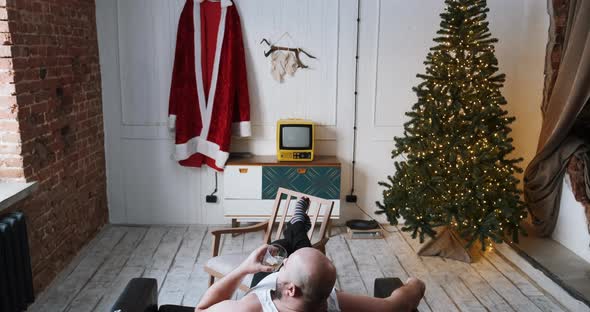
251,183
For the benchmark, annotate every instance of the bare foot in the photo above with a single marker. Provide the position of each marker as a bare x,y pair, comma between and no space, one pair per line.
418,284
407,297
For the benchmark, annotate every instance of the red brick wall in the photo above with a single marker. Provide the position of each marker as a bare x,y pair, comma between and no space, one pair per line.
56,74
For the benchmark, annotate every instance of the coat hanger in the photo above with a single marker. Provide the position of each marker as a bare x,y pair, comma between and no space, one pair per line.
288,36
274,48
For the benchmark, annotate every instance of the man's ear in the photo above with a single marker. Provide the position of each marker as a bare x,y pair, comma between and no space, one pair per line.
292,290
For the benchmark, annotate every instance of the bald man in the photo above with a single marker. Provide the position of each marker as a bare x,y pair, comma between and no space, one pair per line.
305,282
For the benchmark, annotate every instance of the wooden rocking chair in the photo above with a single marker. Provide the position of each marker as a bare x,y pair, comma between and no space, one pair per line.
220,265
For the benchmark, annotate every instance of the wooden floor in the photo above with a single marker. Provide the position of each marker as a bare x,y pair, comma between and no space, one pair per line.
175,257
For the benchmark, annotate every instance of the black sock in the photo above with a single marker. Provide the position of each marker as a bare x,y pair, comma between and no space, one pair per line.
300,214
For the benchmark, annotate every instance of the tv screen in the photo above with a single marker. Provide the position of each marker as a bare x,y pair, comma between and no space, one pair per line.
296,137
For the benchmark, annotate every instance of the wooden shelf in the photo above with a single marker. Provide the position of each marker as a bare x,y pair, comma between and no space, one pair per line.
257,160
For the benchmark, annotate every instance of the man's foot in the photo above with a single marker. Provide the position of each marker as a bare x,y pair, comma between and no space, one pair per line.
418,284
300,214
410,294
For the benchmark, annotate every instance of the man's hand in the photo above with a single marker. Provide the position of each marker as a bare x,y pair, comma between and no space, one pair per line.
253,264
417,284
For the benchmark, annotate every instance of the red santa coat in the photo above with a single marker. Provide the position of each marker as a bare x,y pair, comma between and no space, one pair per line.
209,91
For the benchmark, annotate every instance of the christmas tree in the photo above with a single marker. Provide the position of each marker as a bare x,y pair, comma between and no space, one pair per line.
456,169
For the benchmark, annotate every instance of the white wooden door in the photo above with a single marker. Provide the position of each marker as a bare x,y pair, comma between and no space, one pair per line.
137,41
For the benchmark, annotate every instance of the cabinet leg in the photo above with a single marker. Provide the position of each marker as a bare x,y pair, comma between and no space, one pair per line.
234,224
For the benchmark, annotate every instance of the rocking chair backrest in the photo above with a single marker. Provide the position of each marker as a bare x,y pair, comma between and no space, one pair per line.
315,211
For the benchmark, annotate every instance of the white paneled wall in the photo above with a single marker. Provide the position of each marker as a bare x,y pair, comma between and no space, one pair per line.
136,41
571,229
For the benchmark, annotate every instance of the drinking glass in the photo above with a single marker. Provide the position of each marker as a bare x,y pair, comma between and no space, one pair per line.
275,254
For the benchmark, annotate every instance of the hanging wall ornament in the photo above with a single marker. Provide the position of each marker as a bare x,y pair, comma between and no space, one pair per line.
277,68
291,64
284,60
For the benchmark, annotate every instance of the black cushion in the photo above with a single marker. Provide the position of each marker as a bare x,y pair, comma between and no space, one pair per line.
175,308
385,286
140,295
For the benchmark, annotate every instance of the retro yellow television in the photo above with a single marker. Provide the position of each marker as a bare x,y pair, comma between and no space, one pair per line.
295,140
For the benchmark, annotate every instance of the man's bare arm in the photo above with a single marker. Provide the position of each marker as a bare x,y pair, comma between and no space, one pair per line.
248,303
221,291
405,298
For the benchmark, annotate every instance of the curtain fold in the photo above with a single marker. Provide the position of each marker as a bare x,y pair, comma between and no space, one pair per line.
571,92
579,176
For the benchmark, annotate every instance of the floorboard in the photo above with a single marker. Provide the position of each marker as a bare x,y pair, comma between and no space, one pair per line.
177,279
88,298
175,256
528,288
517,300
60,297
42,298
445,273
198,280
349,277
435,296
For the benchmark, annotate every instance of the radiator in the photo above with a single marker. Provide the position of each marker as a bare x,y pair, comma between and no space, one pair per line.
16,280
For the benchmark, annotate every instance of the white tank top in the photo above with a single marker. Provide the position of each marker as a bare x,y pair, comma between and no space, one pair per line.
267,284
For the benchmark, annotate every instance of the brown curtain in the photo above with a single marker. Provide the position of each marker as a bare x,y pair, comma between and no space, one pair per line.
544,175
580,175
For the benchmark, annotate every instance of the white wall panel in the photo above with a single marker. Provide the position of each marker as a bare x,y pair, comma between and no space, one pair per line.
571,228
400,41
106,23
156,189
137,40
394,41
147,35
313,26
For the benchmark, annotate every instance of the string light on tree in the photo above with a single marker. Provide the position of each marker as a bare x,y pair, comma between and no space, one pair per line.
457,171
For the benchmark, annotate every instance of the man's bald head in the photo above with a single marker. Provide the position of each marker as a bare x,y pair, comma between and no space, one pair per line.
312,272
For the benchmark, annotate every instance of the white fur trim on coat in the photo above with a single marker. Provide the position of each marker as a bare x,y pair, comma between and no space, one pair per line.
241,129
199,145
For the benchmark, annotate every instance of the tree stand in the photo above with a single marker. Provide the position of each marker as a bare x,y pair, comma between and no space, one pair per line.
448,244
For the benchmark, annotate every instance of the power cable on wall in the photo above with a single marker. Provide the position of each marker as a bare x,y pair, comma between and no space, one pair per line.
212,198
351,198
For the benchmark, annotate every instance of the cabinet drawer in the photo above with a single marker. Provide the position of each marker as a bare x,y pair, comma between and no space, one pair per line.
322,182
262,209
242,182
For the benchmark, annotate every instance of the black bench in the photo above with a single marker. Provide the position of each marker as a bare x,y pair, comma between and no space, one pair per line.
141,295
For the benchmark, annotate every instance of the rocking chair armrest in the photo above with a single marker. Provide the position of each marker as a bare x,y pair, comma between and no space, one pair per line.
239,230
321,244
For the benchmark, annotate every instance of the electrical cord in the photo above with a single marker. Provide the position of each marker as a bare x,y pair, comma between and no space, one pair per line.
356,70
355,115
215,190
